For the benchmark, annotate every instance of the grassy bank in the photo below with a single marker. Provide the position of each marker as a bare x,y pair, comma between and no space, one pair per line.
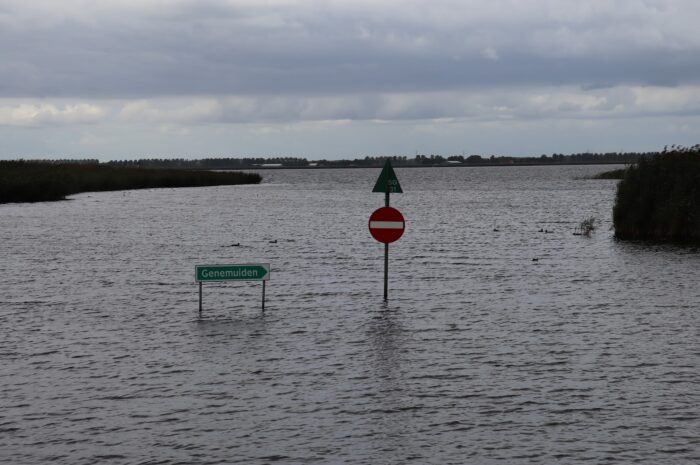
23,181
659,198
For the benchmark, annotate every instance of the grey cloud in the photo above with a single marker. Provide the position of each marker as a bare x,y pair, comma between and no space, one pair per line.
520,103
240,48
36,115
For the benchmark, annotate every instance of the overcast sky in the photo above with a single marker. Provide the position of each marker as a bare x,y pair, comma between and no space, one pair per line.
124,79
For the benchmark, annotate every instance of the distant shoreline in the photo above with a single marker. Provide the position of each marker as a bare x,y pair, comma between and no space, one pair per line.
419,161
460,165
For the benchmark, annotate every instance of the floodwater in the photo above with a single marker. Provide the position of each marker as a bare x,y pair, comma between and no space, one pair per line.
501,342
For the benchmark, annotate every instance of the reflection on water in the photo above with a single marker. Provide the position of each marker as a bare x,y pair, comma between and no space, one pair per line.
385,336
500,342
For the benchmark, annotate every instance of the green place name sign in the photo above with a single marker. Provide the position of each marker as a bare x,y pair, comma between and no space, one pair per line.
247,272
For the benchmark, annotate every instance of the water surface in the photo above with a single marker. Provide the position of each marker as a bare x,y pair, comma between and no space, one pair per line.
501,342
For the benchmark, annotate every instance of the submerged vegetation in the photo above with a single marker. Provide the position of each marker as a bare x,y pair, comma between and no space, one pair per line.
659,198
27,181
587,226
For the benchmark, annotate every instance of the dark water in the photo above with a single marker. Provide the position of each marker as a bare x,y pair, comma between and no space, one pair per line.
587,355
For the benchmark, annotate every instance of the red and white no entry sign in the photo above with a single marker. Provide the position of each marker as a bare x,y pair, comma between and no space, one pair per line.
386,224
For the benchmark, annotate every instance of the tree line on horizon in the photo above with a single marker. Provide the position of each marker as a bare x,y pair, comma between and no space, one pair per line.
378,161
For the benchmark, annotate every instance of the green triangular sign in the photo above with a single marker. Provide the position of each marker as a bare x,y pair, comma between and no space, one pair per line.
388,182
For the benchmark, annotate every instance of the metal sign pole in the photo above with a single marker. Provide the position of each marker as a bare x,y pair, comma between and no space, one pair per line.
386,252
200,299
263,297
386,272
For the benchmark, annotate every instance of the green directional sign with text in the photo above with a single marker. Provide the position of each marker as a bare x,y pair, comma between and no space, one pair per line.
388,182
246,272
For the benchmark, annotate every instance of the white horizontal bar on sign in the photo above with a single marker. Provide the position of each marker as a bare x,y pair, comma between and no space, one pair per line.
386,224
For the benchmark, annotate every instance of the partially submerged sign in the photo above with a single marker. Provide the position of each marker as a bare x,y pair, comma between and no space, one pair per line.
388,182
387,224
247,272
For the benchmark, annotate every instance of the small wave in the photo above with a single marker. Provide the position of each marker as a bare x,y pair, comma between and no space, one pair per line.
679,450
274,458
99,458
41,354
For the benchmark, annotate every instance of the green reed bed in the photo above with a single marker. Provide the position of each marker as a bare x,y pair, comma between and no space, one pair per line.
659,198
27,181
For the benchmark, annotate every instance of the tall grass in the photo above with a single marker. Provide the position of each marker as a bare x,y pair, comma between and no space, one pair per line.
659,198
27,181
